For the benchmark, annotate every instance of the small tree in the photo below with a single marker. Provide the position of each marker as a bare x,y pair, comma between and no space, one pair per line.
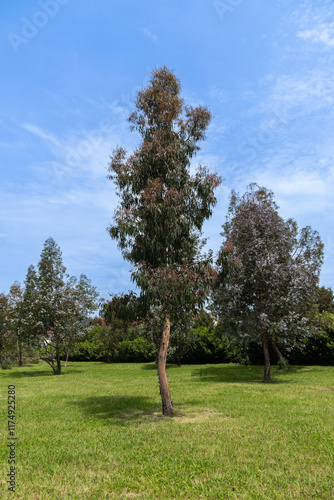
8,348
269,272
3,314
55,305
15,302
159,220
324,300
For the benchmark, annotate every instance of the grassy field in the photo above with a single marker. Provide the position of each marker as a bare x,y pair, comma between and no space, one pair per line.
96,432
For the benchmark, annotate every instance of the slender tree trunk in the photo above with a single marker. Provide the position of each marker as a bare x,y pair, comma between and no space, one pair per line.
67,354
278,352
50,363
266,360
20,354
167,407
177,352
58,372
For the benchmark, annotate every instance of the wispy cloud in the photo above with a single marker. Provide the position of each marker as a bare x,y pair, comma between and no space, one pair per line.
301,93
219,94
47,136
83,151
315,23
322,34
150,35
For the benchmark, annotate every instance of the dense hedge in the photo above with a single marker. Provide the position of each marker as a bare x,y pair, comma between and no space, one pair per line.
103,344
318,348
204,343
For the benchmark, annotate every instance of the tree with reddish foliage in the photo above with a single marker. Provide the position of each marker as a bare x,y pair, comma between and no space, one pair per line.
162,209
269,272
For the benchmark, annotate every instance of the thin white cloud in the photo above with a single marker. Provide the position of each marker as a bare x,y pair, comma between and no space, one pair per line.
34,129
81,151
219,94
150,35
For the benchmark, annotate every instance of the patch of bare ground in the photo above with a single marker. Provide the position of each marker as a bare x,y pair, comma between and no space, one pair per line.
200,416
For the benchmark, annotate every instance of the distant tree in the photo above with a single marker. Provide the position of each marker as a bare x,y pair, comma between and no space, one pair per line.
15,317
269,272
325,300
203,319
56,306
3,313
159,219
107,338
319,347
7,339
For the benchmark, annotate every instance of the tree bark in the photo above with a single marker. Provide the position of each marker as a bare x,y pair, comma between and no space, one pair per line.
20,354
266,360
50,363
167,407
58,372
278,352
67,354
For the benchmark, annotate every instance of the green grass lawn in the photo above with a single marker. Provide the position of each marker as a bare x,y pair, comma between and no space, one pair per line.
96,432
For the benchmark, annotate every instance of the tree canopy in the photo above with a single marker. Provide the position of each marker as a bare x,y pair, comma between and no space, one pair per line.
269,271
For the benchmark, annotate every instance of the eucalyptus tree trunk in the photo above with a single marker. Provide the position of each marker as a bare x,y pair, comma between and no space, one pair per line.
58,371
167,407
266,377
20,354
278,352
67,354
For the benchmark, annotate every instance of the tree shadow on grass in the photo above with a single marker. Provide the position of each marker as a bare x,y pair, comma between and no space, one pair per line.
124,410
38,373
120,409
154,366
22,373
242,374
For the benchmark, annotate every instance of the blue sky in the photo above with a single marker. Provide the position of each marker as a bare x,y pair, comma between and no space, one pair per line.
70,72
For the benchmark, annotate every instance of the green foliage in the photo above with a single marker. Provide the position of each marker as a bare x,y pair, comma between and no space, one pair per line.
52,310
139,350
8,342
162,207
113,344
282,364
8,353
315,348
325,300
204,344
83,349
318,347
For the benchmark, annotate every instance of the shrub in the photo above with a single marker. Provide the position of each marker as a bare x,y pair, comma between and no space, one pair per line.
6,362
205,345
318,348
139,350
